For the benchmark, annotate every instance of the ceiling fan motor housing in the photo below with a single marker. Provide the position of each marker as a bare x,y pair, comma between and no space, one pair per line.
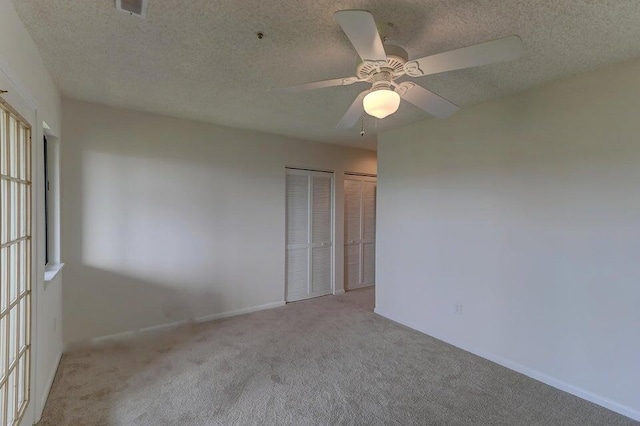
382,80
394,65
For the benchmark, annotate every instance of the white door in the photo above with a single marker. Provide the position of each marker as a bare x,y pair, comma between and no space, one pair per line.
18,254
309,210
360,231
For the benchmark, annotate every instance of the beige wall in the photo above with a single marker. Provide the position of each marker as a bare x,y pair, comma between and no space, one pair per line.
167,219
526,211
30,85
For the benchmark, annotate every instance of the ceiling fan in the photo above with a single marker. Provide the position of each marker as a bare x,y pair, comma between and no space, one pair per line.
382,64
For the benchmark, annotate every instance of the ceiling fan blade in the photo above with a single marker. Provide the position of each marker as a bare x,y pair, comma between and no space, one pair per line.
361,30
426,100
501,50
317,85
354,113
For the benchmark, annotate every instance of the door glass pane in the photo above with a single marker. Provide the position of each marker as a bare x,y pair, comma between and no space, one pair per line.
11,397
3,346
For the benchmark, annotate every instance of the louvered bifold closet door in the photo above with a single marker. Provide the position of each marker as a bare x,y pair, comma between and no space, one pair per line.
352,228
309,230
321,246
360,231
297,236
368,233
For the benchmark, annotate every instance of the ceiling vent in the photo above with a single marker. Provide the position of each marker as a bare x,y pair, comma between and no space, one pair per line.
133,7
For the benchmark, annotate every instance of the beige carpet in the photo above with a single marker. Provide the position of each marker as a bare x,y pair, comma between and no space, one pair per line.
327,361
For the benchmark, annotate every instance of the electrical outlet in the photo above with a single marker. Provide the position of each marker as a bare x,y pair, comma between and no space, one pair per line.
458,308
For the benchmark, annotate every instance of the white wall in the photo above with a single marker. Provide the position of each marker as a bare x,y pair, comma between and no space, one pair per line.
526,211
167,219
21,64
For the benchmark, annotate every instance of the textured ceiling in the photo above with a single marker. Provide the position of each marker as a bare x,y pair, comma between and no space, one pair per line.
200,59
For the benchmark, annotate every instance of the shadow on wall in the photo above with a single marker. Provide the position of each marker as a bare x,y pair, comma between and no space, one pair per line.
160,231
111,303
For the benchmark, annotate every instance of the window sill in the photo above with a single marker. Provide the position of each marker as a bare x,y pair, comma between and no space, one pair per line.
50,271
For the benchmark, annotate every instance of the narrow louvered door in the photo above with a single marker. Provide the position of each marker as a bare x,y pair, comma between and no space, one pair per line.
368,233
297,236
360,231
321,248
309,256
352,227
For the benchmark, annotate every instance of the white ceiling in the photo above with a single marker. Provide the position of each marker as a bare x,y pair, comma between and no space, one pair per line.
201,59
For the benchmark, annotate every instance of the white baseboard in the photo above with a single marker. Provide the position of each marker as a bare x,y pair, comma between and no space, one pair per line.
530,372
156,328
361,288
47,388
240,311
337,292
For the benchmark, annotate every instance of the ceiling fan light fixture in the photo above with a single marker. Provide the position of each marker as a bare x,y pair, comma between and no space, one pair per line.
381,103
382,64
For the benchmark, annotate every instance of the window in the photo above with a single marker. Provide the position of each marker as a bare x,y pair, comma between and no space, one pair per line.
46,202
15,265
50,201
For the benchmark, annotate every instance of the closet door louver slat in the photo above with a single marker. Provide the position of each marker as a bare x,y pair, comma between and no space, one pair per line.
297,209
321,203
297,274
368,211
352,194
368,264
352,266
321,271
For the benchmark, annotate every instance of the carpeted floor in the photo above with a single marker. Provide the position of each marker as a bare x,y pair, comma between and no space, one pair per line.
327,361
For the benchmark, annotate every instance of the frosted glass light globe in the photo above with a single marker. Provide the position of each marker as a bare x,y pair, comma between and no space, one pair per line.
381,103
